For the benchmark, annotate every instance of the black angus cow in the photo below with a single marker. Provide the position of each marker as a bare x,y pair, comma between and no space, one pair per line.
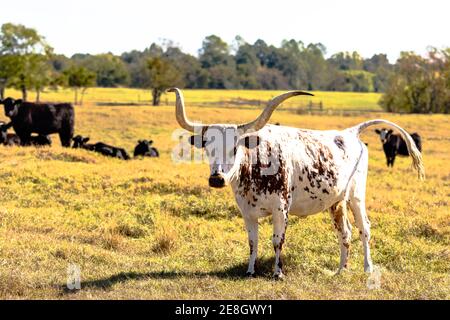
40,118
393,144
100,147
145,149
11,139
81,142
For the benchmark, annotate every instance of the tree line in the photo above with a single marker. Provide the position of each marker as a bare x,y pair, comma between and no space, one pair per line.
27,62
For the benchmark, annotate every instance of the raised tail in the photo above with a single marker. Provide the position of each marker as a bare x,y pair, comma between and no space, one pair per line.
412,149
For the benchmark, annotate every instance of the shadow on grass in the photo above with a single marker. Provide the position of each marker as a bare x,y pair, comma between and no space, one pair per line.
264,269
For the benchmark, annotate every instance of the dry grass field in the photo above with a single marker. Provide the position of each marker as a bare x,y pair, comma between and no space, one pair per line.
153,229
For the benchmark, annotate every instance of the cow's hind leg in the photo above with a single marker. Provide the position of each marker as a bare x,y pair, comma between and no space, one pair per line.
279,220
252,230
344,231
358,207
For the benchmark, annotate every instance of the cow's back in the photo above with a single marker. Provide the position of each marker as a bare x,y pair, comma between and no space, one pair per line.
307,171
44,118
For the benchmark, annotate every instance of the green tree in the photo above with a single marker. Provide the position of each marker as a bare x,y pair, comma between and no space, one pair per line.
216,60
214,52
26,50
247,65
8,70
163,75
110,70
419,84
79,79
40,74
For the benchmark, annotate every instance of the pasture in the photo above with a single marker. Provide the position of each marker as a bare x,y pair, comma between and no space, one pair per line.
153,229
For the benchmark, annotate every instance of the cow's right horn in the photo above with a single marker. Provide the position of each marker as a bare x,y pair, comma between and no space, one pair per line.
182,119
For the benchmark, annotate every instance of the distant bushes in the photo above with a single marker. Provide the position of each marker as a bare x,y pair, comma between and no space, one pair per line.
419,84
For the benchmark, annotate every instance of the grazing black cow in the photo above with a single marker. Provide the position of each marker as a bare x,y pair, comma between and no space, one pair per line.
100,147
393,144
11,139
40,118
145,149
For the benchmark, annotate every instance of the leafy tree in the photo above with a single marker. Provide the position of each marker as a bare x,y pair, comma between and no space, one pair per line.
379,65
419,84
163,75
25,53
41,74
347,61
136,63
214,52
8,70
188,66
317,69
271,79
79,79
110,70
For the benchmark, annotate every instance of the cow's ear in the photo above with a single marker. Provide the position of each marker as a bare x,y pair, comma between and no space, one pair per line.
150,142
18,102
86,139
251,142
197,141
377,131
390,131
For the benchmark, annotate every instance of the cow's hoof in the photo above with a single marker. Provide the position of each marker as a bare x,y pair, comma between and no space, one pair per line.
250,275
278,276
368,269
341,271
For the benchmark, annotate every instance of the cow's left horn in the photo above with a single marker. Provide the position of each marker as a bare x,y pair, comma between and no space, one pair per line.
180,111
261,121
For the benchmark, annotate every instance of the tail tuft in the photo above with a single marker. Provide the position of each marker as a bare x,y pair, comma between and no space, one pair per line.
415,154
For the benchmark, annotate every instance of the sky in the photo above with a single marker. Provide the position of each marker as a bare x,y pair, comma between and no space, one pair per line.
369,27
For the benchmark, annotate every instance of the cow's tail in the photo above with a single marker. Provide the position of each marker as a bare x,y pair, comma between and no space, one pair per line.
412,149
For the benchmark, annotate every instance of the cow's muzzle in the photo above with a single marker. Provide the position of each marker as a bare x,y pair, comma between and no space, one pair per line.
216,181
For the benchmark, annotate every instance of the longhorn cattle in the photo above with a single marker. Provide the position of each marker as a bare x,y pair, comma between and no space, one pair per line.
40,118
393,144
279,170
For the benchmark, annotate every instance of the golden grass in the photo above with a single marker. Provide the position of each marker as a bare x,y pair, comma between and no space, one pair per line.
152,229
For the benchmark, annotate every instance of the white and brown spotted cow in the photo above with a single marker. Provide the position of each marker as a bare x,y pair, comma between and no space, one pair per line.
278,170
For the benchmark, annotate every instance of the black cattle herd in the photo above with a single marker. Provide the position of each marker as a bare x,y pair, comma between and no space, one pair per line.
44,119
33,124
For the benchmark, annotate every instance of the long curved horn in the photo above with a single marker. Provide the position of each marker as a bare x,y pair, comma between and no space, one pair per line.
180,111
262,120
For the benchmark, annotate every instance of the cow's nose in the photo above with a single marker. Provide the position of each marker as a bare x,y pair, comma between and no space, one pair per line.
216,181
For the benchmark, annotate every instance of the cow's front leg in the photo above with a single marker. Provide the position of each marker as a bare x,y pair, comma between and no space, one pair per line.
25,139
252,229
279,220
